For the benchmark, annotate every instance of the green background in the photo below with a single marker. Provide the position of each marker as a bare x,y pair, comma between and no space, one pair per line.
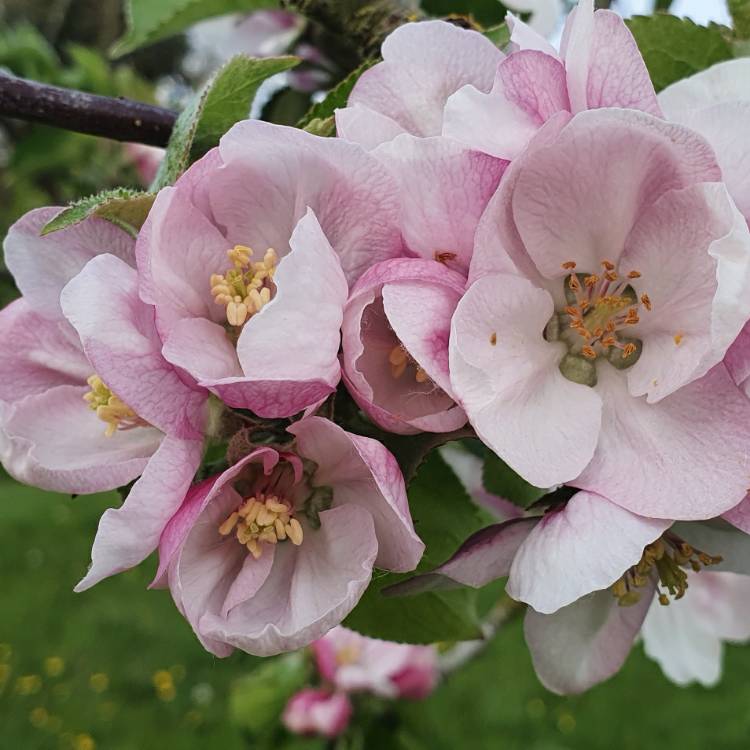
115,639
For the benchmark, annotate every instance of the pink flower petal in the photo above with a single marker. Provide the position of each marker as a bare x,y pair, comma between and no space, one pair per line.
38,353
584,643
85,460
506,376
363,472
441,57
119,337
42,266
128,535
310,588
444,188
583,547
700,433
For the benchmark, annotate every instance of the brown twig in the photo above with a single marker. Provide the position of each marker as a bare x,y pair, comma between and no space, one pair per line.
117,118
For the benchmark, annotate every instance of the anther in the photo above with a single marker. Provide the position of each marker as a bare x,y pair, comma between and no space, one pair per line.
569,265
646,301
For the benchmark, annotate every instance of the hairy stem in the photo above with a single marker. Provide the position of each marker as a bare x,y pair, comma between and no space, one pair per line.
117,118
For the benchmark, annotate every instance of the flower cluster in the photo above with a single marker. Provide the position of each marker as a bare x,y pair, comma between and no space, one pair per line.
349,664
532,243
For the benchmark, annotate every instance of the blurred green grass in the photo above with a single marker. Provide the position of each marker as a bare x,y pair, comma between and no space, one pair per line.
117,668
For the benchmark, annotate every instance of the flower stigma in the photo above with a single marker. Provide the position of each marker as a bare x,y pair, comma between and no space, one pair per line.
247,287
109,408
262,519
667,559
600,310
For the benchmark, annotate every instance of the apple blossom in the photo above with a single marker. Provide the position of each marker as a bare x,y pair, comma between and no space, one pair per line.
492,101
580,352
226,254
275,551
423,64
395,345
599,66
89,403
317,711
352,663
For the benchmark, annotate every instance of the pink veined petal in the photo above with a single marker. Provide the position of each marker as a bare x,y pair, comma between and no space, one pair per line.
529,88
350,192
178,249
441,57
364,473
365,126
617,75
576,53
128,535
119,337
507,378
38,354
498,247
55,441
645,157
249,580
310,588
584,643
276,343
42,266
697,313
444,188
585,546
701,433
204,569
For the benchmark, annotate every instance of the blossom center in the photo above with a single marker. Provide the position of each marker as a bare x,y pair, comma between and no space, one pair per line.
109,408
400,360
246,287
601,308
348,654
667,559
262,519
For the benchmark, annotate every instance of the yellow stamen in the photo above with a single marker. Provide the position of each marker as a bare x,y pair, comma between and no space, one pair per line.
109,408
245,288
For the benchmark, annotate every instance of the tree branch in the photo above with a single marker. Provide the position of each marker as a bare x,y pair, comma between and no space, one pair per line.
117,118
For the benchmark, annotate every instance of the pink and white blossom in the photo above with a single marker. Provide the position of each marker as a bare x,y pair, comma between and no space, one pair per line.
599,65
317,711
559,383
89,403
423,64
277,550
246,260
395,345
352,663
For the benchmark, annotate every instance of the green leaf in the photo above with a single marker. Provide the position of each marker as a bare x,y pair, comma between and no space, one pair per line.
335,98
122,206
499,35
325,128
147,21
740,10
444,516
223,101
499,479
257,700
675,48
